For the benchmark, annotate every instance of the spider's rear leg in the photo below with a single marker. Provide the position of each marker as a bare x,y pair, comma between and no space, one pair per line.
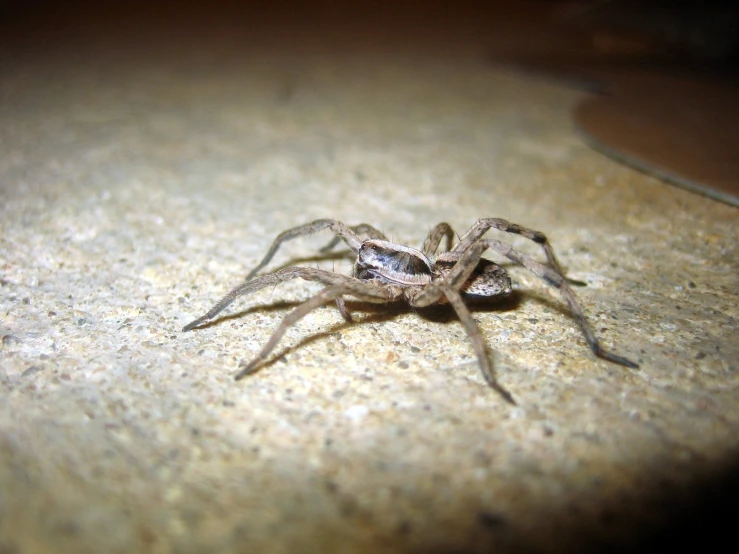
483,225
558,281
341,230
361,290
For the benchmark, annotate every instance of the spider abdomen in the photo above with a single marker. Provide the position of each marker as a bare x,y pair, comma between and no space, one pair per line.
488,280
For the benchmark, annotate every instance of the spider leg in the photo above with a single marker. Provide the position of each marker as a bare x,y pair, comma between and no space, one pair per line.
449,287
482,226
456,277
431,244
343,310
478,344
362,229
555,278
343,231
257,283
362,290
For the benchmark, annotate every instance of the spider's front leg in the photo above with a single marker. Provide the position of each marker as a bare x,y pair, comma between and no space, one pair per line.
362,290
449,287
363,229
341,230
348,234
253,285
338,287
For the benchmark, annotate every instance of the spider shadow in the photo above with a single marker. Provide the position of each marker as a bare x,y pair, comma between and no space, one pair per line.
377,315
381,313
333,330
371,313
268,308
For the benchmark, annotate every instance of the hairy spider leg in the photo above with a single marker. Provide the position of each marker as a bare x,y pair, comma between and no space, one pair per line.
257,283
478,344
430,245
449,287
558,281
440,231
363,229
343,310
361,290
483,225
457,276
346,234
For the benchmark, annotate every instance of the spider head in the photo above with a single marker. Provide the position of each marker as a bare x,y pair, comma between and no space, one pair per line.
392,263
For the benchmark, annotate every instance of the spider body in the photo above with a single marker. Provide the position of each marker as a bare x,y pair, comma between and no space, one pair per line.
386,272
395,264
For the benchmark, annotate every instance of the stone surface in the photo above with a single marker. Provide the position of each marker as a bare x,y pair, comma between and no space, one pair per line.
140,183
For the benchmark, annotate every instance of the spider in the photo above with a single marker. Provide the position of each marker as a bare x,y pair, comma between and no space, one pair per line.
386,272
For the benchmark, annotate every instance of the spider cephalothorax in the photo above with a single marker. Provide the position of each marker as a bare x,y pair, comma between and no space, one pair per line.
392,264
386,272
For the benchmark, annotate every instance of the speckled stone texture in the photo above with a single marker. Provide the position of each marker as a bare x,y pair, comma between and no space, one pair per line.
142,180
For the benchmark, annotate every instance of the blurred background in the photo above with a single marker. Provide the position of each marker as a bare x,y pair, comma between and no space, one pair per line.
664,73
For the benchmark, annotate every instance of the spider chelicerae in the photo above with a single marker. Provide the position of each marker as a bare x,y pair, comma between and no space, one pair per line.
386,272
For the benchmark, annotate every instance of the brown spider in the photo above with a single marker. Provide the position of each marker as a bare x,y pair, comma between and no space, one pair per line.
387,272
